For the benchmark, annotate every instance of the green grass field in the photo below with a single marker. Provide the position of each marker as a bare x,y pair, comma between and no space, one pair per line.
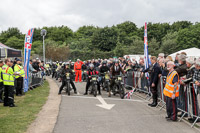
17,119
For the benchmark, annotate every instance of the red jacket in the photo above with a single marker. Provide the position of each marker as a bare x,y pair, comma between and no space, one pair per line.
92,72
77,66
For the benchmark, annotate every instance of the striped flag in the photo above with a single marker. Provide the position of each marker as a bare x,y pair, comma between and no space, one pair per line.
129,94
27,52
147,61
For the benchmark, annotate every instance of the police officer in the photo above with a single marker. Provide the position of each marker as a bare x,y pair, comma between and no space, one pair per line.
1,82
8,81
19,79
63,73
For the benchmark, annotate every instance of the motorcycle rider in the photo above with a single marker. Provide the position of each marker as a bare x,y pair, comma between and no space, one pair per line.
58,70
47,67
54,67
84,68
114,71
104,68
91,72
63,73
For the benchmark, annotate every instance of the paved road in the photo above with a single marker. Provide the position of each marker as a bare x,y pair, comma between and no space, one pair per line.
79,114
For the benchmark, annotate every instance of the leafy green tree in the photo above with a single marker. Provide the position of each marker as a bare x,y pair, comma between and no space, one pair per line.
5,35
176,26
189,37
154,47
119,50
85,32
15,42
59,34
105,39
169,43
136,47
37,47
157,31
129,28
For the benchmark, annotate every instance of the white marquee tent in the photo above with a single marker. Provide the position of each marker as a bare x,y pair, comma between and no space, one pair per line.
191,52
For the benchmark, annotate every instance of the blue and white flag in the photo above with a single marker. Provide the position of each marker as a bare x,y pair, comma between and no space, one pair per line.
27,53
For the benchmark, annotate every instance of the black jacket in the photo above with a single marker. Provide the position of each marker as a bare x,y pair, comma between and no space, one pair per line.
104,69
64,71
84,67
36,66
154,72
190,73
181,70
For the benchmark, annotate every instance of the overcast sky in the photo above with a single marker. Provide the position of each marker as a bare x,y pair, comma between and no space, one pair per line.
26,14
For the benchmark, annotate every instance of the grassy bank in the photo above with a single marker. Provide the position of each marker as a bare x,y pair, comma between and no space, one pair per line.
16,120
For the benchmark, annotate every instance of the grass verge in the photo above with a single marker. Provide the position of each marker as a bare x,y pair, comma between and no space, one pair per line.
17,119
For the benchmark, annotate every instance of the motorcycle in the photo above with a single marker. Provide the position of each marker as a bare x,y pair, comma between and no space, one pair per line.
84,77
73,78
48,71
118,87
106,81
67,85
93,85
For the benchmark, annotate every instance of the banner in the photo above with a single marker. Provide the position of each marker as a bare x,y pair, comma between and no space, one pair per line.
147,61
27,52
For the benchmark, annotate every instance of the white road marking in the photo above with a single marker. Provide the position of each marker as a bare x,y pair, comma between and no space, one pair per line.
114,99
104,104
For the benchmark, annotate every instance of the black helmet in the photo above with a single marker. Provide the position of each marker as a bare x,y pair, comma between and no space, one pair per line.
104,62
116,61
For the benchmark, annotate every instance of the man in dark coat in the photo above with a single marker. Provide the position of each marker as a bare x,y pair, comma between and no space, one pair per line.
182,72
154,71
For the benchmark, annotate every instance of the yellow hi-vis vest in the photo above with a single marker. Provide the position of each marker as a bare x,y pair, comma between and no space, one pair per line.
169,86
1,80
20,69
8,78
47,66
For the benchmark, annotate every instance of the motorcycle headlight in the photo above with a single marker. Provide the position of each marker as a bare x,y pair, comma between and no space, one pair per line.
106,77
94,78
119,78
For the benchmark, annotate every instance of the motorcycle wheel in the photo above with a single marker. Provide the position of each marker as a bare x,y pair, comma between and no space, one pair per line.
115,87
94,90
121,92
68,89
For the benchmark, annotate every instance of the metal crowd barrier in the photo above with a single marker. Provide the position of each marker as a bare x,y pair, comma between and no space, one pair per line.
35,79
190,107
137,82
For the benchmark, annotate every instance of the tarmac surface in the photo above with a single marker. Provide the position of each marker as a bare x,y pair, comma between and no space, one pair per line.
89,114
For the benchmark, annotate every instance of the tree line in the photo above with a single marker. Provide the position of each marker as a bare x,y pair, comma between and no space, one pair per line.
103,42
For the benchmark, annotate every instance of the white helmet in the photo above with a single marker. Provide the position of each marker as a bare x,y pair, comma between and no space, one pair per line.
91,65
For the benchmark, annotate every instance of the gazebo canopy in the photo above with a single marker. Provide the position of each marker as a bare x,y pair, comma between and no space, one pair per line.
191,52
6,52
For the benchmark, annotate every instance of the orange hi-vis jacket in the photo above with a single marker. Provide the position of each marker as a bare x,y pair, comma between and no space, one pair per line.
169,86
77,66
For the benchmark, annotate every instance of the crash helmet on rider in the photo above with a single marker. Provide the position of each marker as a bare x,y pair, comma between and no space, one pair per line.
91,66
